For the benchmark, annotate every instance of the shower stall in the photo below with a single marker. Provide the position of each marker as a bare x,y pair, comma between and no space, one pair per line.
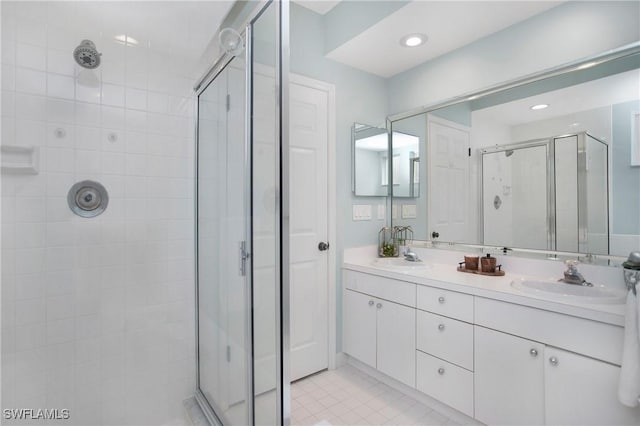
547,194
240,223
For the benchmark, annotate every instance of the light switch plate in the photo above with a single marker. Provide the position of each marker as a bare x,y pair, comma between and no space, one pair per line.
408,211
361,212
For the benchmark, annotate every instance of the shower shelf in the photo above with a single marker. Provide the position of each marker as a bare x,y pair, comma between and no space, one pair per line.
20,160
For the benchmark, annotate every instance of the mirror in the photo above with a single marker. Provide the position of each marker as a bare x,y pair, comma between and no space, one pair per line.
547,164
371,166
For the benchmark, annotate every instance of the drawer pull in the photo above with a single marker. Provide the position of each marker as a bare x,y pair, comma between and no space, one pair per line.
370,302
441,371
379,305
441,327
534,352
553,361
441,299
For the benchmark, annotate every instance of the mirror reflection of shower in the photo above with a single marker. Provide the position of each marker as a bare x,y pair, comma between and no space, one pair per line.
231,41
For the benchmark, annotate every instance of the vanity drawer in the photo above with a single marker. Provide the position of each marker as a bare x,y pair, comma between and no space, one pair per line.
445,338
384,288
448,303
445,382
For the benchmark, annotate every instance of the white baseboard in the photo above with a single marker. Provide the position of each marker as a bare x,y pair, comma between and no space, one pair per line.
436,405
341,359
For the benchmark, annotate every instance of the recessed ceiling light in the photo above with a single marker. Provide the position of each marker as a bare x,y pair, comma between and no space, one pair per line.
125,39
539,106
413,40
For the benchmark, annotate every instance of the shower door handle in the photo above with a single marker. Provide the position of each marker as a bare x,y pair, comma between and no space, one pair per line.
244,256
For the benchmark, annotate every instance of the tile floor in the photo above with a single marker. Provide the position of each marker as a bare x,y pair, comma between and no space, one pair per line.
347,396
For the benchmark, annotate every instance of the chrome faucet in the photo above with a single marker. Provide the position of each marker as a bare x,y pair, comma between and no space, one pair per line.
410,255
572,276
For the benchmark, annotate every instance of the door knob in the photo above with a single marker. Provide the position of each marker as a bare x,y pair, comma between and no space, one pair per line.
435,235
322,246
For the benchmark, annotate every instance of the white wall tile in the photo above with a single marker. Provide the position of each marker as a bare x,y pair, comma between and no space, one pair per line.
136,99
60,111
60,135
30,132
113,95
60,86
58,62
60,160
31,32
31,107
87,93
30,81
112,117
88,138
30,56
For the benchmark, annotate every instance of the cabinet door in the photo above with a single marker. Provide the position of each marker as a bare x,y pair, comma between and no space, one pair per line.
509,373
583,391
360,327
397,341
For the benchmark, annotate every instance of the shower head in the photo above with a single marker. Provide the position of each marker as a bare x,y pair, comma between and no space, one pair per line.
86,55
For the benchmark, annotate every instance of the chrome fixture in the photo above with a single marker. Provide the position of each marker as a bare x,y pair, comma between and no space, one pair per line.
572,276
410,255
231,41
88,198
631,271
86,55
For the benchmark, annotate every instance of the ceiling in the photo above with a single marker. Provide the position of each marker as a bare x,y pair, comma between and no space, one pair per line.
318,6
606,91
448,25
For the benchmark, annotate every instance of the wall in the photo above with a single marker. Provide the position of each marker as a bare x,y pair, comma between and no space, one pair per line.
97,314
557,36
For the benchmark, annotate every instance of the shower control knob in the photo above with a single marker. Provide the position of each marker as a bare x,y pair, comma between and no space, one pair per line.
322,246
441,300
553,361
441,327
441,371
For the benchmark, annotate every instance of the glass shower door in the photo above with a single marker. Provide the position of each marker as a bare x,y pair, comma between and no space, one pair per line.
221,221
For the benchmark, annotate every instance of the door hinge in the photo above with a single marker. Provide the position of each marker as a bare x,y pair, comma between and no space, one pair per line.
469,152
228,102
244,257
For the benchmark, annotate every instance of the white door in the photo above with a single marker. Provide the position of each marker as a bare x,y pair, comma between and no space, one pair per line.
509,373
583,391
449,177
396,341
308,161
360,326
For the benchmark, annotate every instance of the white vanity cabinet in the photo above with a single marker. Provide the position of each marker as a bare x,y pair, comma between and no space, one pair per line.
583,391
509,379
377,331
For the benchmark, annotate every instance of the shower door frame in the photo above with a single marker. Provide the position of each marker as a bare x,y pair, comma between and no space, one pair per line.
283,386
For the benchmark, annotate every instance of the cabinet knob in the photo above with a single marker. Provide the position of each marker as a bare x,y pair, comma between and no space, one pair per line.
370,302
379,305
553,361
441,371
441,327
441,299
534,352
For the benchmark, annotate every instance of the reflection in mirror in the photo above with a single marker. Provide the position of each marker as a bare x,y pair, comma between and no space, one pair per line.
557,178
371,162
370,148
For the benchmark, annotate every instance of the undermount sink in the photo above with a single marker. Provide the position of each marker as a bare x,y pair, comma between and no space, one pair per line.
398,263
576,293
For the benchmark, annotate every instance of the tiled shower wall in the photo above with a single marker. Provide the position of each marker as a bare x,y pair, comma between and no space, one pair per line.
97,314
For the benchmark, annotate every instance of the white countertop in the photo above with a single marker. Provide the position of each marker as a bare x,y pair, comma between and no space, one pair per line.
445,276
